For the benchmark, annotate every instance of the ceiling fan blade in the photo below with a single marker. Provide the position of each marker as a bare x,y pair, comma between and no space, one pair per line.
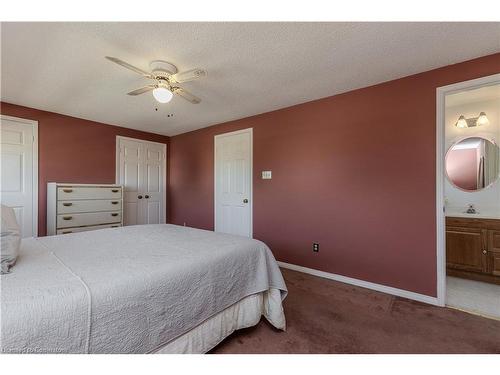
189,75
142,90
128,66
186,95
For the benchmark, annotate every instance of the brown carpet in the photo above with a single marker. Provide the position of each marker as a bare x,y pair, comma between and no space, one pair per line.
325,316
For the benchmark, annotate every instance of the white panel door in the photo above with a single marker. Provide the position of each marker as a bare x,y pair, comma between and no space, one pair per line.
154,193
18,185
131,170
233,183
141,167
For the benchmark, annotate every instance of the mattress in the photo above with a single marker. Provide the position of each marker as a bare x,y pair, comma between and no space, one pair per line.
130,290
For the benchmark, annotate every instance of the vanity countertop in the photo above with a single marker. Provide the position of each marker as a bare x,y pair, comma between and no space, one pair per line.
480,215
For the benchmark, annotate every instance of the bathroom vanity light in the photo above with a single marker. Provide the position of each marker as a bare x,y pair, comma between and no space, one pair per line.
482,119
462,122
471,122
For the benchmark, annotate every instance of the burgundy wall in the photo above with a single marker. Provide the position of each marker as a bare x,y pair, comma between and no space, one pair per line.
73,150
462,168
354,172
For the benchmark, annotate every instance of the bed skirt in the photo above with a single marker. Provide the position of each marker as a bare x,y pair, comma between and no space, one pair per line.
243,314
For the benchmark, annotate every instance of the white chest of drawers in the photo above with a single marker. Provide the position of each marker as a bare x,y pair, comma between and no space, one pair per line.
82,207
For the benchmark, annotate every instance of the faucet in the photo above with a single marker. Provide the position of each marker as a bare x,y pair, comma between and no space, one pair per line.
471,209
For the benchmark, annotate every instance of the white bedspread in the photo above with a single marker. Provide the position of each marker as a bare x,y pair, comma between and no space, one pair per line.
130,289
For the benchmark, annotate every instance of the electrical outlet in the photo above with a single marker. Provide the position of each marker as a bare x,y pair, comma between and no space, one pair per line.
315,247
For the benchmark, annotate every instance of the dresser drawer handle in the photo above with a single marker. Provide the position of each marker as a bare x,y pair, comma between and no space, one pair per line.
67,204
114,202
115,190
67,217
68,190
67,231
115,226
115,214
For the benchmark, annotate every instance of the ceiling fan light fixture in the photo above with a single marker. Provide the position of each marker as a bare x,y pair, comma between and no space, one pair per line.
164,74
162,94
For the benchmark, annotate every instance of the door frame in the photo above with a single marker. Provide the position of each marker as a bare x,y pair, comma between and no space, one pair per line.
34,192
441,93
219,136
164,179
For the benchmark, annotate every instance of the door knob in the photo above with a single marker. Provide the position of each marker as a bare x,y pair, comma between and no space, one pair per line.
245,200
139,196
484,251
146,196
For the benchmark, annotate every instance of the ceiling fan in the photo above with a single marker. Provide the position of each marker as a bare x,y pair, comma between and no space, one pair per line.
166,79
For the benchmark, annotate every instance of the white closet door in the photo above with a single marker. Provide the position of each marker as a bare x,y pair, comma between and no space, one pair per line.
154,194
18,186
131,170
141,172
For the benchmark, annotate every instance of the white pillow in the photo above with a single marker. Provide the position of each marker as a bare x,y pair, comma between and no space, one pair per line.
10,239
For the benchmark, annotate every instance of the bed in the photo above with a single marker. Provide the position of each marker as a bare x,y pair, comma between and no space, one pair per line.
137,289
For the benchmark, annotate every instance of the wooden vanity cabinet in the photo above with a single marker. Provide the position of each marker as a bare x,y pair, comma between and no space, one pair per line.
473,248
494,247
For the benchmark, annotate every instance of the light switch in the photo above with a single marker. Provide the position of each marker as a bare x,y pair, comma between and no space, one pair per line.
266,175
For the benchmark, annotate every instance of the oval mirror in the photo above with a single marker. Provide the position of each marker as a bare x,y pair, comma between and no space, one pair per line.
473,163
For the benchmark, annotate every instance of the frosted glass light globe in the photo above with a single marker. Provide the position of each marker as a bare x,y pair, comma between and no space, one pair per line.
162,94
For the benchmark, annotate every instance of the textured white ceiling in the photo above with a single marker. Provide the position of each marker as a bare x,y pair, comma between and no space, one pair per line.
252,67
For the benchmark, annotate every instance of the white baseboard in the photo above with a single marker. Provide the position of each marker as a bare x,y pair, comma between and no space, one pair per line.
364,284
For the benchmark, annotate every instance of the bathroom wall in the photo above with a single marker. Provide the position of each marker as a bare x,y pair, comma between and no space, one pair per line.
486,200
461,166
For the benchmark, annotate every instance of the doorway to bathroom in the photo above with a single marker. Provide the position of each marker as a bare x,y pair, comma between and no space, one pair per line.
468,196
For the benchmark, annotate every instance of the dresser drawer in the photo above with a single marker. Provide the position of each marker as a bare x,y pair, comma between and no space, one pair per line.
90,218
85,229
98,205
75,193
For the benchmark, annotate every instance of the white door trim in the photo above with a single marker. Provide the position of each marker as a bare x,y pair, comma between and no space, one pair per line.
34,124
164,180
441,93
250,131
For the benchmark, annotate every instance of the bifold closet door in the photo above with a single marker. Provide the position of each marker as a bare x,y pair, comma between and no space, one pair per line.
140,170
